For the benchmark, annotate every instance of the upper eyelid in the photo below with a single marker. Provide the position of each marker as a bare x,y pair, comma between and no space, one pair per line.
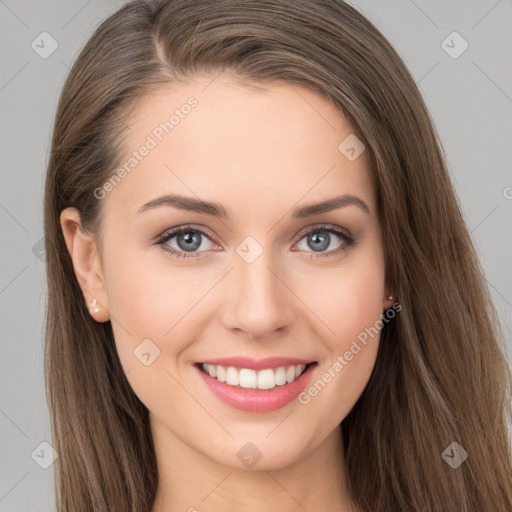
172,232
322,226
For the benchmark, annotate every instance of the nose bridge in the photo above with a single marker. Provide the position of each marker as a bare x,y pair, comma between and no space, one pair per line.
260,303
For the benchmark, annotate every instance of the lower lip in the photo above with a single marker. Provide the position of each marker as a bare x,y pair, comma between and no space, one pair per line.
257,400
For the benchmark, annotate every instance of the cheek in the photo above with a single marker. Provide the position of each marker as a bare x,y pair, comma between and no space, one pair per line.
349,302
154,307
147,296
149,308
134,299
347,298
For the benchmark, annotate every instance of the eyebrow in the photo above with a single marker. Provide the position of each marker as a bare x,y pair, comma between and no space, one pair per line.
216,210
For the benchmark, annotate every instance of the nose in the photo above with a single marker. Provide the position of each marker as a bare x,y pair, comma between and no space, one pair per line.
259,302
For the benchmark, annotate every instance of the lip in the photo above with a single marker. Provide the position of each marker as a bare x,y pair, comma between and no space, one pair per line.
256,400
256,364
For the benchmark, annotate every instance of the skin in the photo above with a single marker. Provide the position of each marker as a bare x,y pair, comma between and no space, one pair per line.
260,154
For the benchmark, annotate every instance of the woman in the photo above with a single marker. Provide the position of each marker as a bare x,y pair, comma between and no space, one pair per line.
262,293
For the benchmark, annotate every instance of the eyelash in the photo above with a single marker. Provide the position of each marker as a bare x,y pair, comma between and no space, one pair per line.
348,241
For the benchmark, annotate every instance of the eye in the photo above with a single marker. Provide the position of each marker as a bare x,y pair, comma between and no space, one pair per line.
188,239
191,241
320,238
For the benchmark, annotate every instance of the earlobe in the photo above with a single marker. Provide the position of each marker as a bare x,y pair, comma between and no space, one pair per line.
84,254
389,299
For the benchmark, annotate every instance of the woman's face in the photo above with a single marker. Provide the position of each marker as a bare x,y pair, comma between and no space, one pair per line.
244,279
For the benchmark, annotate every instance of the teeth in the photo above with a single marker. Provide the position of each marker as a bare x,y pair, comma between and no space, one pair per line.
219,370
248,378
254,379
280,376
232,376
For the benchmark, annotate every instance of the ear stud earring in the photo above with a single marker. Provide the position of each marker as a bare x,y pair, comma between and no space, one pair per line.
93,304
390,297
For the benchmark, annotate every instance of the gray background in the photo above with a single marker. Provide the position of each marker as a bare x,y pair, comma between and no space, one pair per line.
470,98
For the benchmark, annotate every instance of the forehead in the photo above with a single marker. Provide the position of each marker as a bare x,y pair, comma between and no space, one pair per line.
214,139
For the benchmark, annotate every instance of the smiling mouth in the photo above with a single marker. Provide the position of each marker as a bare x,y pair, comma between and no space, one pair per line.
248,378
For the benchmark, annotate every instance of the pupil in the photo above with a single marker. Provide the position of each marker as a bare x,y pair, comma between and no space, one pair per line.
320,242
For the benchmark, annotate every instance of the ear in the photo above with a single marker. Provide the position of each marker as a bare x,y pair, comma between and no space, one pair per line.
87,264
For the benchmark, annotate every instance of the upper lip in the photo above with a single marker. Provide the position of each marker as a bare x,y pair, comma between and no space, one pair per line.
256,364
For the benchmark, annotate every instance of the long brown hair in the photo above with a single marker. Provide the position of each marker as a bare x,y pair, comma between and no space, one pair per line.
440,376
